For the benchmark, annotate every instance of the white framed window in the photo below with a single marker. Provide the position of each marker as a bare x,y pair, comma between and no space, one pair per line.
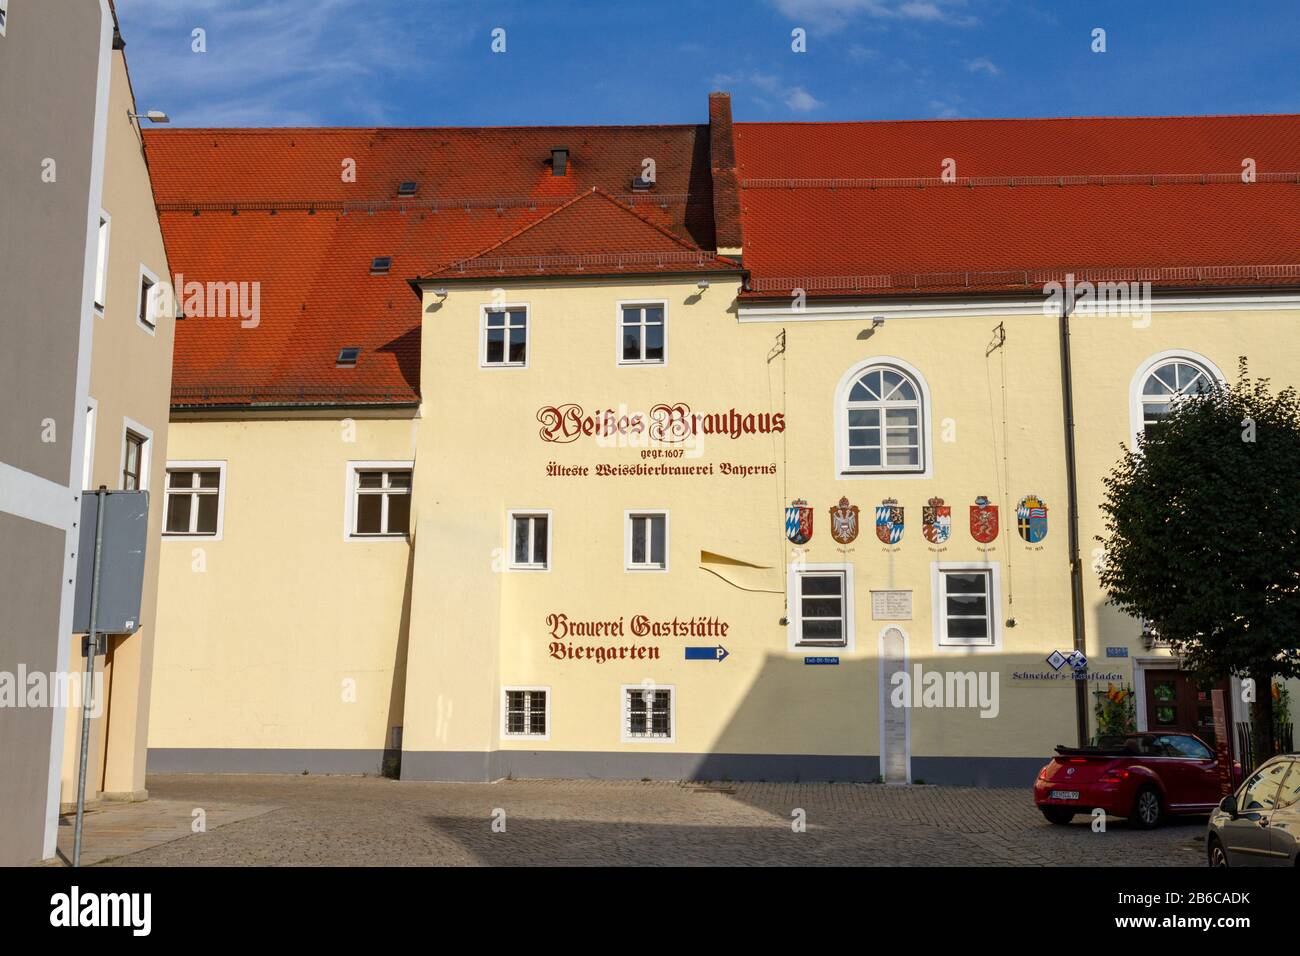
646,540
966,604
820,606
526,712
883,421
643,333
1161,381
148,300
649,713
378,500
101,262
504,339
88,461
137,454
530,540
196,499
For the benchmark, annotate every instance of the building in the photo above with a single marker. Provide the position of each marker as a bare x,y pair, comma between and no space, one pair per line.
689,439
87,366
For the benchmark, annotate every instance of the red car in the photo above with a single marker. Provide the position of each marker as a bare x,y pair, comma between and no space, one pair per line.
1143,777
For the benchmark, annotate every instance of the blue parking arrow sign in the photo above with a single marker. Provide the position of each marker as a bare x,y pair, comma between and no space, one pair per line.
706,653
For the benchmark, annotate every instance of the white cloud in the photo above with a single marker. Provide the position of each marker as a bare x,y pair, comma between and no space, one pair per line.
983,65
294,62
827,16
770,88
801,101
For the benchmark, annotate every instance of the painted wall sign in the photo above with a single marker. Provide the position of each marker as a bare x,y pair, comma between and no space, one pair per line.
936,521
563,629
664,423
799,522
889,521
983,520
891,605
844,522
1031,519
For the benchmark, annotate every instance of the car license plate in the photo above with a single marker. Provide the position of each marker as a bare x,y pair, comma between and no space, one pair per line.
1065,794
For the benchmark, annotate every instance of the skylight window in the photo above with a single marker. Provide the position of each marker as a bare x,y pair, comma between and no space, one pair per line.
408,188
380,265
640,185
348,357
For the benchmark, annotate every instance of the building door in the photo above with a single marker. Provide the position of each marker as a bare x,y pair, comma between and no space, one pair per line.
1178,702
893,720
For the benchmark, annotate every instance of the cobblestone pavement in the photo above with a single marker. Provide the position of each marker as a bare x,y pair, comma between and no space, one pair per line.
368,821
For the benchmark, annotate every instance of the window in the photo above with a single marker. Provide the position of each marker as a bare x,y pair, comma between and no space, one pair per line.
348,357
101,264
88,461
648,713
408,188
1178,745
647,541
1167,383
133,467
1262,790
1162,381
1290,793
530,540
146,307
819,602
195,498
882,427
380,499
819,608
505,337
525,712
380,265
642,333
966,602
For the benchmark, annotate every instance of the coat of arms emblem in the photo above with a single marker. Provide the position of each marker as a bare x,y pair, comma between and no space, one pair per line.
936,521
1031,519
844,522
983,520
798,522
889,521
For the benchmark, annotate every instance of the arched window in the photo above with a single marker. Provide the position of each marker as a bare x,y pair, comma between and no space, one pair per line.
883,428
1165,382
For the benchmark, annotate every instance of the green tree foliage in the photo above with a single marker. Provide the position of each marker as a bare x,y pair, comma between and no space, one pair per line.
1203,535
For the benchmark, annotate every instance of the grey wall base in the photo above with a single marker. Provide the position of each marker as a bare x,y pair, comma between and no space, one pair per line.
238,760
479,766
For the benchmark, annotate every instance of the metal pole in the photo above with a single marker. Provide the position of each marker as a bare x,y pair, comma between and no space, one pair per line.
1072,492
88,692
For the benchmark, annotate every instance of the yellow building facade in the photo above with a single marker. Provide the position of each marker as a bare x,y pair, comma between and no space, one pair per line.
638,518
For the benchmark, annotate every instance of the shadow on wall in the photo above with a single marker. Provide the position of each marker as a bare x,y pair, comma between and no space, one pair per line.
392,757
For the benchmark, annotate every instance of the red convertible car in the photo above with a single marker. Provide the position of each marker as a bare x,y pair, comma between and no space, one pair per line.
1143,777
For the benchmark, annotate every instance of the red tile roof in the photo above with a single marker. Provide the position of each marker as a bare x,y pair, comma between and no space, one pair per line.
273,207
592,234
839,209
863,208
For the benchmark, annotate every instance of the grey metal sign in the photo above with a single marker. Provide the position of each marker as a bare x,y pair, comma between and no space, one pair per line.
121,563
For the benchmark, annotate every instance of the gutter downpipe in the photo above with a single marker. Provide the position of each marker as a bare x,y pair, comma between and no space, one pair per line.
1072,494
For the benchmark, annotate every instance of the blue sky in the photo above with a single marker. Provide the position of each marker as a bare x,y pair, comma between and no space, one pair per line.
428,63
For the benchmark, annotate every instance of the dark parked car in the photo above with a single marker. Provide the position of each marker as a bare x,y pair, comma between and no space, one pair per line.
1143,776
1259,825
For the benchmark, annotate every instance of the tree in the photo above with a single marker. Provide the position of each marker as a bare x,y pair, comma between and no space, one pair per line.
1203,535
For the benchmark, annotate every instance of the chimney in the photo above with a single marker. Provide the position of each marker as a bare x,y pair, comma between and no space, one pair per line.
726,181
559,160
